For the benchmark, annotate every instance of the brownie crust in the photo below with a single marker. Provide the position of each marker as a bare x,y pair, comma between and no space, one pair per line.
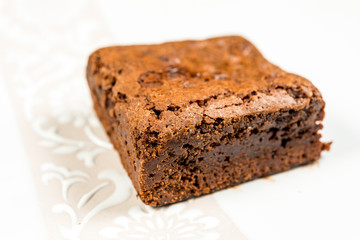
192,117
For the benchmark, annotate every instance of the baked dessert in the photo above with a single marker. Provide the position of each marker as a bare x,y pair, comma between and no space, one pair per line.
192,117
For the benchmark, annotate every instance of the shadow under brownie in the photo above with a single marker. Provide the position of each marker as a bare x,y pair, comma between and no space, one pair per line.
192,117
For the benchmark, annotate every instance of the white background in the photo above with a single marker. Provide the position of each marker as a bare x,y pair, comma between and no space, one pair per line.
316,39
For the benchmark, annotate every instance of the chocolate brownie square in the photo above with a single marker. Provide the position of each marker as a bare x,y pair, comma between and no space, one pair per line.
192,117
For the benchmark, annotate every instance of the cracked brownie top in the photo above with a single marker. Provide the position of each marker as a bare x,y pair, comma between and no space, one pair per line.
163,90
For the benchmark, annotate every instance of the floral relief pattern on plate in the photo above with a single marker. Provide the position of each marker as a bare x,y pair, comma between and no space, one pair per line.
172,222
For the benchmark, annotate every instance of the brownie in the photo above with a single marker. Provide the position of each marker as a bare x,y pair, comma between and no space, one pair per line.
192,117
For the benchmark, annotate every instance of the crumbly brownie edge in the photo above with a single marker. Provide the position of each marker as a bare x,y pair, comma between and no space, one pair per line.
204,169
117,130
